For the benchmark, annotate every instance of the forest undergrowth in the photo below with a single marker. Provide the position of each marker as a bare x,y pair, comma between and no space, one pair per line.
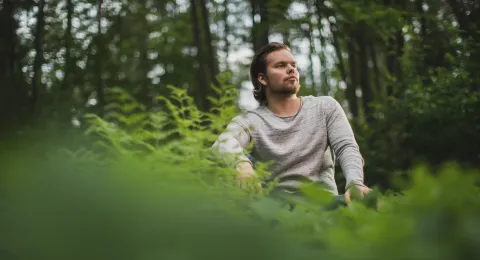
149,186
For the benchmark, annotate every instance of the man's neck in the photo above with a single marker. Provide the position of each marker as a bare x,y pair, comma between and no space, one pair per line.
284,106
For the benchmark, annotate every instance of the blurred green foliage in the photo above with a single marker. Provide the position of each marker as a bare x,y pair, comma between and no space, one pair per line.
148,186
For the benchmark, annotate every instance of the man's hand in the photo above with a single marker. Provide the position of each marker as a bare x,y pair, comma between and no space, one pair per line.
246,177
357,192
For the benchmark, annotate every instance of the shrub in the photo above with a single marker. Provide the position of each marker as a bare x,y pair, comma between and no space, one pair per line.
153,189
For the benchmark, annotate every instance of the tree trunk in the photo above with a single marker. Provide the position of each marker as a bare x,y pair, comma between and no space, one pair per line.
421,68
399,44
325,87
11,96
260,31
99,56
38,61
365,86
391,65
7,45
351,92
312,52
143,48
68,46
63,99
210,53
379,90
321,8
202,91
394,53
338,53
226,31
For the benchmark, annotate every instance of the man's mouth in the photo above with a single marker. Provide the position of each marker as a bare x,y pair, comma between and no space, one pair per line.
290,78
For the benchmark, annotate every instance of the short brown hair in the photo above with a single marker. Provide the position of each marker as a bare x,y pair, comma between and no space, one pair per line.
259,65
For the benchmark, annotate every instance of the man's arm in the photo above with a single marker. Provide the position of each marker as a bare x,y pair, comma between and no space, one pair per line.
232,142
342,140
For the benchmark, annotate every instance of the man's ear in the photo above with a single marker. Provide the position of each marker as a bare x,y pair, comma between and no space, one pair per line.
262,79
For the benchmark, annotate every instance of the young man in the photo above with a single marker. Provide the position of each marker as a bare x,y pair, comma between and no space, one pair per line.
300,135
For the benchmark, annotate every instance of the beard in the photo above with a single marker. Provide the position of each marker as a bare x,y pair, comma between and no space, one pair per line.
285,90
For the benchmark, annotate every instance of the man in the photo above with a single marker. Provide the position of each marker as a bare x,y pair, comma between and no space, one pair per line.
300,135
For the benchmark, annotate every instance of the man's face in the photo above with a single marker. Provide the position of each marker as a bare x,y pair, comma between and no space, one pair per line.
282,76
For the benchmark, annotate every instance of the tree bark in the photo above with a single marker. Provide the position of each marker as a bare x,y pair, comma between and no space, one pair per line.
7,46
202,91
38,61
226,31
11,96
63,98
394,52
312,52
325,87
261,30
68,46
99,63
210,55
399,44
144,64
365,86
338,53
379,91
351,91
321,8
421,68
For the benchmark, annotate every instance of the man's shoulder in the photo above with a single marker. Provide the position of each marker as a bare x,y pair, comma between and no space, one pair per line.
252,113
251,118
324,102
320,98
246,116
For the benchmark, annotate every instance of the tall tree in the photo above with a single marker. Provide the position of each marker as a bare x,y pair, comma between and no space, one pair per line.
144,66
38,62
69,62
12,95
226,33
353,77
210,56
100,53
362,42
261,28
203,84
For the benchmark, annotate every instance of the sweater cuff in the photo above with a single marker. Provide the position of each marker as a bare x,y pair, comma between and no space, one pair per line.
241,158
354,182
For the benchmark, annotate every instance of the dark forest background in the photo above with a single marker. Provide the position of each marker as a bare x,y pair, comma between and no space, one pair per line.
406,71
108,110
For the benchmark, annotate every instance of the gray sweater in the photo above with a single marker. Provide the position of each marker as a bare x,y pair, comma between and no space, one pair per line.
300,147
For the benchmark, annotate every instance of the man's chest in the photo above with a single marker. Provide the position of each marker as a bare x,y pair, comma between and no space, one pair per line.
281,140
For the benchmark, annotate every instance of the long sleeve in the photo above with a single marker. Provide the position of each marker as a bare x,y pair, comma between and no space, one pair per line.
342,140
233,141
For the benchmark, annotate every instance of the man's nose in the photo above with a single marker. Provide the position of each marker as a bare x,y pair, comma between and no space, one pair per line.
290,68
